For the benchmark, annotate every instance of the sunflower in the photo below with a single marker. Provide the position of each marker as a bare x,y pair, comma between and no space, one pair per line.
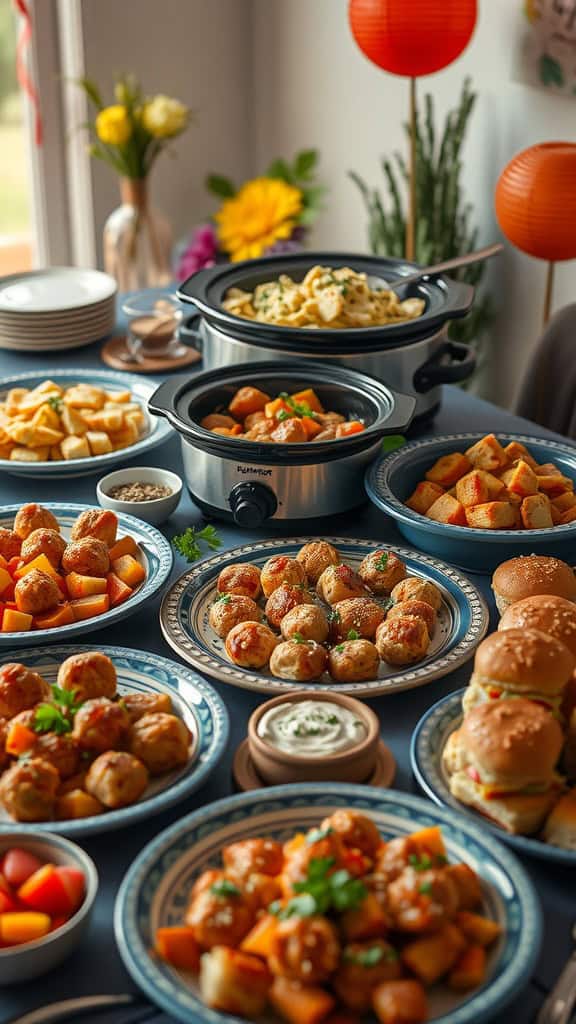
262,211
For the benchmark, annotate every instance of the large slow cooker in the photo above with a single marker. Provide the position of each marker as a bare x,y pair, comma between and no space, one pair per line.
414,357
250,482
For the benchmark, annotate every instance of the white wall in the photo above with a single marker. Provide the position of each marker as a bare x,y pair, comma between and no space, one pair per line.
313,87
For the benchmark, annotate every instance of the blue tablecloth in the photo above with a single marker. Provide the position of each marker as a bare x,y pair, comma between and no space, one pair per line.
96,967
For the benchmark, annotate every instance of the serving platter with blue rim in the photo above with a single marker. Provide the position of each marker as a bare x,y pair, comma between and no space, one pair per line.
391,479
193,700
154,553
428,741
158,430
461,624
156,889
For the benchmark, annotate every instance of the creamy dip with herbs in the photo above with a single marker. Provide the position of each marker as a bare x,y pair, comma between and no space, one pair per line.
311,728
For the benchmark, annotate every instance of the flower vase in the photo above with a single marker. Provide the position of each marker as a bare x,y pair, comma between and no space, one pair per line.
137,240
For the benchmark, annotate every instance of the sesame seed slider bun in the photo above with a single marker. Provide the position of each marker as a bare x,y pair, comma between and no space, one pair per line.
520,663
560,828
547,613
530,575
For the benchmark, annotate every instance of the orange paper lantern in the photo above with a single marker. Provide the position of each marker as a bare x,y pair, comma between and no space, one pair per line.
412,37
536,201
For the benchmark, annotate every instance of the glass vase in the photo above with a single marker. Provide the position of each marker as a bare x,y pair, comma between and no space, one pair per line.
137,240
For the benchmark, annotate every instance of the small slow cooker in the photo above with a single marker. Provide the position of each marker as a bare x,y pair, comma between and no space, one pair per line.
250,482
414,356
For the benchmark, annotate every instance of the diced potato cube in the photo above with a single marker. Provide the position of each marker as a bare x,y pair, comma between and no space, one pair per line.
45,436
73,447
29,454
72,421
100,443
469,970
521,479
488,454
118,396
472,489
536,513
424,496
568,516
448,469
20,432
548,469
14,398
553,484
447,509
139,420
556,515
482,931
56,453
125,437
494,485
46,416
516,451
35,399
564,501
6,450
48,387
84,396
110,420
492,515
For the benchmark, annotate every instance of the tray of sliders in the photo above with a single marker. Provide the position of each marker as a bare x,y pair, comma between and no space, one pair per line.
300,613
504,748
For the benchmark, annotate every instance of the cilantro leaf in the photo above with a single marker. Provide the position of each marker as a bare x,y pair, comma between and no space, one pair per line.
370,957
188,543
425,888
382,563
49,718
353,634
224,888
66,699
297,638
315,835
222,599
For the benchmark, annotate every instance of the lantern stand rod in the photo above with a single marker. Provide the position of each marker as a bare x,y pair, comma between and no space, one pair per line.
411,218
548,292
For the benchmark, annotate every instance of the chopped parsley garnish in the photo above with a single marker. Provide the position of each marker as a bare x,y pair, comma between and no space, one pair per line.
382,563
370,957
334,616
322,891
297,638
420,863
283,415
315,835
222,599
425,888
55,403
188,543
353,634
49,718
224,889
339,648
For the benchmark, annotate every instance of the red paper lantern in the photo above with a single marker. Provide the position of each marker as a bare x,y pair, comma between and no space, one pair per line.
536,201
412,37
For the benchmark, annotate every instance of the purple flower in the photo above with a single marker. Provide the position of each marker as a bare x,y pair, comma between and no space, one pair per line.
288,245
201,252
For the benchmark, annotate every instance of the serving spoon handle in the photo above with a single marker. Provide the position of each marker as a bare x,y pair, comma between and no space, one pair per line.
558,1007
453,264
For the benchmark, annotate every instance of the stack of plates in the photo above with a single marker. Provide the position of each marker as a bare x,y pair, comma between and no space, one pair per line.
57,308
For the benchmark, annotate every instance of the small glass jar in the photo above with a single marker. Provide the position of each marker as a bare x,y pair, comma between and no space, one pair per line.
153,322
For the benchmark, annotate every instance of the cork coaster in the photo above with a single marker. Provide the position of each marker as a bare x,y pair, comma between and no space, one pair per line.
246,777
115,354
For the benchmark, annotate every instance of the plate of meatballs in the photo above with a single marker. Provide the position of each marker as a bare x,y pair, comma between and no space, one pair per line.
92,740
69,569
305,613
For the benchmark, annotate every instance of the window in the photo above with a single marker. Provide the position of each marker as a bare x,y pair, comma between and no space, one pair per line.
15,189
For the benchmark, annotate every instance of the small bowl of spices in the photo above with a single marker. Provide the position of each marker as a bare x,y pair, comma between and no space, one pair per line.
143,491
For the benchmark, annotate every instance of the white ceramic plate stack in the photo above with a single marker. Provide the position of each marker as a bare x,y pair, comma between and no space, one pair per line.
55,309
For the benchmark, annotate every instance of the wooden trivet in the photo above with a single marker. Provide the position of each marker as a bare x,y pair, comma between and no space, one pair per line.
246,777
115,354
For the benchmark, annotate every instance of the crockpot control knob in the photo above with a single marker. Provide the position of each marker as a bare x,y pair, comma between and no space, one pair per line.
251,504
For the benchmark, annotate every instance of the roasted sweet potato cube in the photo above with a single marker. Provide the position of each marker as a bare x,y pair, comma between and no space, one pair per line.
564,501
424,496
448,469
516,451
556,515
492,515
472,489
468,971
568,516
482,931
536,513
548,469
432,956
521,479
555,484
494,485
488,454
447,509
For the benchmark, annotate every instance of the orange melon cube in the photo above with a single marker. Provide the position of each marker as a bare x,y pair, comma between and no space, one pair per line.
14,621
424,496
448,469
5,580
447,510
492,515
88,607
521,479
471,489
129,570
488,454
21,926
118,592
40,562
61,616
84,586
124,546
536,513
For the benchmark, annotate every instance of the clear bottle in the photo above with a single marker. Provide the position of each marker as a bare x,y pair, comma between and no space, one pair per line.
137,240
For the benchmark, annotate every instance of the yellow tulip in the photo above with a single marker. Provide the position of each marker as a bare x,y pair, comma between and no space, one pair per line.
164,117
113,125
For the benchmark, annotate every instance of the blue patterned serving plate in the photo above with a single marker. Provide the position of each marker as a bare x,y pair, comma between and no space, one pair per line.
462,620
156,888
194,700
428,741
158,431
155,555
391,479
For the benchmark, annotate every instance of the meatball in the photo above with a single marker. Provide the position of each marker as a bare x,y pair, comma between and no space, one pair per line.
139,704
361,969
34,517
403,1001
422,900
100,523
88,675
299,858
101,725
304,949
396,855
381,570
281,569
230,609
59,751
316,556
248,401
161,742
360,614
10,543
354,661
4,757
253,418
306,621
28,790
217,419
88,557
402,641
260,431
36,592
241,578
339,582
290,431
116,779
249,856
414,610
20,688
218,917
250,644
283,600
301,660
415,589
355,830
44,542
